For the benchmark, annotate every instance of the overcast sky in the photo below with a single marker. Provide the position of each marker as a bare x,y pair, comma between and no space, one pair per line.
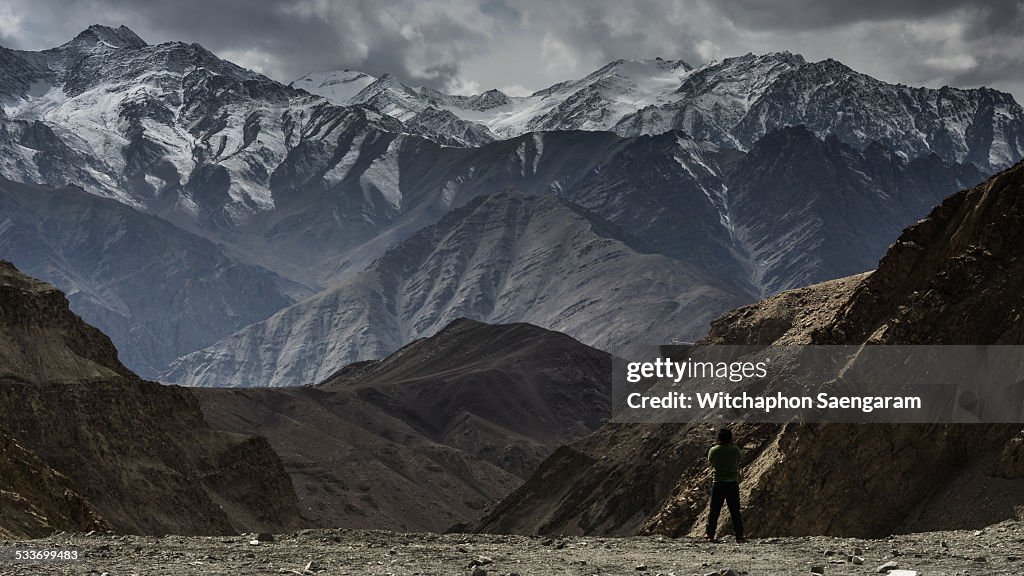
520,46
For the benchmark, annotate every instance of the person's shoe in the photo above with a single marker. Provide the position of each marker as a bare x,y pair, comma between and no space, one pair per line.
710,538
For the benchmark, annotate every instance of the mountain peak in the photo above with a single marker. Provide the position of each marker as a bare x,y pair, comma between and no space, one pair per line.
781,56
785,55
657,63
121,37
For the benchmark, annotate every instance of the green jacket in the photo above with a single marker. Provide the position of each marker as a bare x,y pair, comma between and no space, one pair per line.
725,459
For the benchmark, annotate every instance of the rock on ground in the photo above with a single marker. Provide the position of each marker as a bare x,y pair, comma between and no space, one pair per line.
378,552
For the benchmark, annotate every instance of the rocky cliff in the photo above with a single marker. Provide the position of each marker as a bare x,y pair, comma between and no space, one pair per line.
108,449
36,500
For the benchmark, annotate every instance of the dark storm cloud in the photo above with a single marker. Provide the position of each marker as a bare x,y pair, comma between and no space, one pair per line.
282,39
500,10
523,45
802,14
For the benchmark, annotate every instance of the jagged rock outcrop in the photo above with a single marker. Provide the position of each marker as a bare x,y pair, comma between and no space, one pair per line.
1011,461
956,277
953,278
429,435
36,500
119,451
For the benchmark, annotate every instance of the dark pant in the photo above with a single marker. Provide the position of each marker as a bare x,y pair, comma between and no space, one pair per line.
729,493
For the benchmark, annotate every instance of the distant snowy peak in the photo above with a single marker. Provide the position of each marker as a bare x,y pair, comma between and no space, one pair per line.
711,100
981,125
97,35
646,75
424,111
595,102
738,100
732,103
599,100
348,87
392,97
170,128
743,78
337,86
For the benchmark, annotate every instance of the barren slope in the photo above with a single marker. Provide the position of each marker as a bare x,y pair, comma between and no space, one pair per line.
433,433
137,452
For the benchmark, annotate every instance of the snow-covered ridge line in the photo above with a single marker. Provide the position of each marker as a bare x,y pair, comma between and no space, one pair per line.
731,103
168,128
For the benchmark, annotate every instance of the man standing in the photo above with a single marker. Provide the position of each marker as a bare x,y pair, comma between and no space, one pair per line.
725,487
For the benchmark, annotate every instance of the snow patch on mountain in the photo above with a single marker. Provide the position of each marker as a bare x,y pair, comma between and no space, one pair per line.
383,176
337,86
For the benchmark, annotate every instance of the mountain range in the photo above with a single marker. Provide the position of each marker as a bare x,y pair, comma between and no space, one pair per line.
276,203
475,408
501,258
362,282
158,291
731,103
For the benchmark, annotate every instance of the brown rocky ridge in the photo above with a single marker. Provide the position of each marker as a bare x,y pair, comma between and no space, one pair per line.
430,435
89,445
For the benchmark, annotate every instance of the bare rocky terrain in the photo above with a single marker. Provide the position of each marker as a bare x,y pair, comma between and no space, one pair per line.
430,435
85,443
955,277
500,259
998,549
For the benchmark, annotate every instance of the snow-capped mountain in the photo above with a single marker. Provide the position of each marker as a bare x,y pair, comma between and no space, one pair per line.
732,103
339,86
305,194
981,126
424,111
600,100
166,128
596,102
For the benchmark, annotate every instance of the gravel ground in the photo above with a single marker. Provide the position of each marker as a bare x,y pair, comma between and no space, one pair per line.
998,549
